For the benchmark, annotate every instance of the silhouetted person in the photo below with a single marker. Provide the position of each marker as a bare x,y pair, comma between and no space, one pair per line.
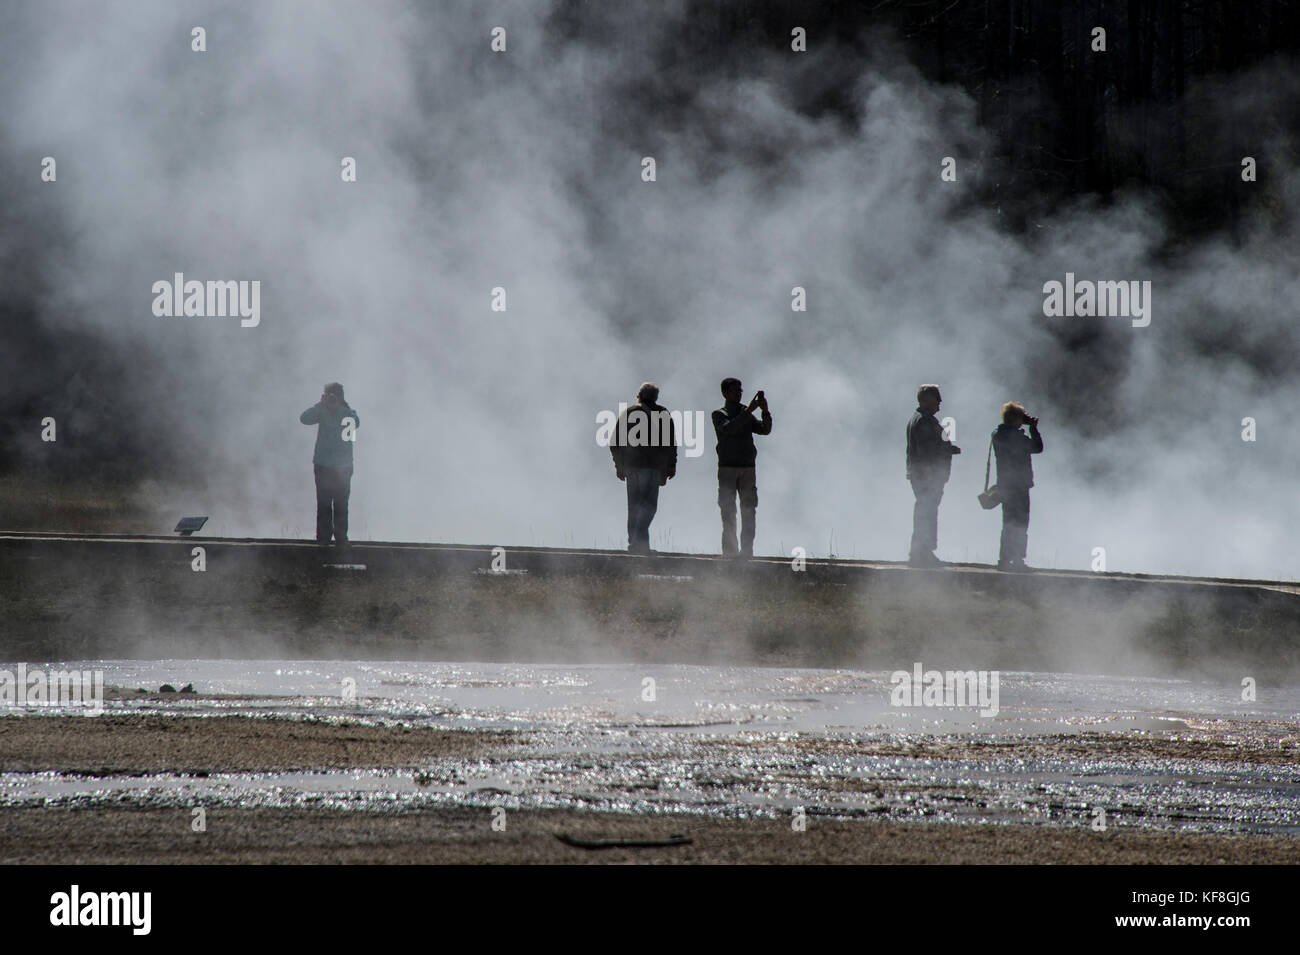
332,461
735,427
929,463
644,448
1015,477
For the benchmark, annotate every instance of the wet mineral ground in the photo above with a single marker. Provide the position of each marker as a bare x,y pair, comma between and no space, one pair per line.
362,761
455,703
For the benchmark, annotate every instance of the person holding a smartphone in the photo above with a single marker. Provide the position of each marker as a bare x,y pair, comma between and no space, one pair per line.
735,426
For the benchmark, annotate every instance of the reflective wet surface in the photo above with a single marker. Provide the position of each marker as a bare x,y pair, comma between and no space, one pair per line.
737,741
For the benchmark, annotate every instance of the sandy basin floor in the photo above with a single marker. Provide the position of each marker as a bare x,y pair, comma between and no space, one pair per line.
186,750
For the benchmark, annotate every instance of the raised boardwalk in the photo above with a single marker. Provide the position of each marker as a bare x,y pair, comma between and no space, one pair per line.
84,596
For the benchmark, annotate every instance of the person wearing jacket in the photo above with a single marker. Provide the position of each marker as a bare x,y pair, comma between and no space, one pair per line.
1012,448
644,448
337,422
735,426
929,464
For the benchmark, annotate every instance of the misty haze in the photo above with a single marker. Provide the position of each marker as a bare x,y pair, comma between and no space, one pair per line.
562,431
523,172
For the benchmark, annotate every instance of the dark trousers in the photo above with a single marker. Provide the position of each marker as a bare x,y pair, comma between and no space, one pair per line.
1015,523
333,485
642,502
925,516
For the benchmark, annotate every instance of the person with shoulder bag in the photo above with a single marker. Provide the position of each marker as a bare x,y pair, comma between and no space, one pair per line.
1013,449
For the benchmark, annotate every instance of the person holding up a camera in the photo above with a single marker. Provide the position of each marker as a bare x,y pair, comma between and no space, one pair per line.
1015,477
332,462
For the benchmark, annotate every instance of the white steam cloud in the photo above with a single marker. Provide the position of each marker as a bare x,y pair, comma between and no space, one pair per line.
522,170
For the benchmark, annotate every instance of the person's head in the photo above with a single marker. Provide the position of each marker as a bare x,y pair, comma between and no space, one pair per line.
1014,414
928,398
333,394
731,389
648,391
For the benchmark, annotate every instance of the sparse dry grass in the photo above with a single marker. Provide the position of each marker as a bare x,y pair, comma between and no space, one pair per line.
77,506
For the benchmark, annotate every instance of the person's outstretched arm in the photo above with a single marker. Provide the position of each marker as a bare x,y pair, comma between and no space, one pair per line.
737,424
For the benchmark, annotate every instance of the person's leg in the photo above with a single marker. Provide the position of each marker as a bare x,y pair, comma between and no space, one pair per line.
649,504
324,506
342,490
1015,525
933,515
919,509
1005,545
1024,528
925,519
727,505
748,487
631,479
642,497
